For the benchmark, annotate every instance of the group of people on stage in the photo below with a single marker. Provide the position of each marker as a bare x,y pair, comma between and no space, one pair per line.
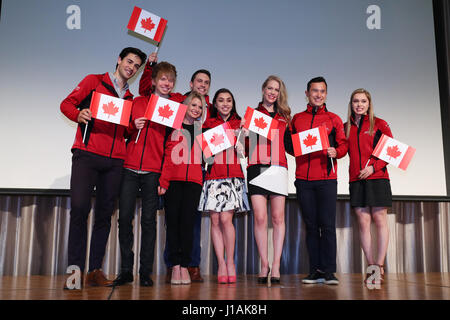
169,171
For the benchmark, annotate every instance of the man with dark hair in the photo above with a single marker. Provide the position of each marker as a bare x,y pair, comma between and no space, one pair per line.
200,83
96,162
316,183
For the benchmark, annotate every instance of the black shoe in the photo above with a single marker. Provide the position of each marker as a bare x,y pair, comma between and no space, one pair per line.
124,277
263,280
316,277
330,278
145,281
274,279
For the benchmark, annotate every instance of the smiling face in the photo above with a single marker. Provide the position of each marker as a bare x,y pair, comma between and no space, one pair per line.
200,84
194,110
317,94
224,104
164,84
128,66
271,92
360,104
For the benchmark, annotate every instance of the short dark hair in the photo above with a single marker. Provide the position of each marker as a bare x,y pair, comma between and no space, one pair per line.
315,80
201,71
135,51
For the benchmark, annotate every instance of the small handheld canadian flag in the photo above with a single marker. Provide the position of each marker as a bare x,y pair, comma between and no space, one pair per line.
216,139
394,152
311,140
259,122
110,109
147,24
165,111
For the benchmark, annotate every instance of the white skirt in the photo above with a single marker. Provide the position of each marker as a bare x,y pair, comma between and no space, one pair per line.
220,195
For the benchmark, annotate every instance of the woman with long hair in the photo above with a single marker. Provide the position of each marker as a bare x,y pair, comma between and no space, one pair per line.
224,190
263,155
370,189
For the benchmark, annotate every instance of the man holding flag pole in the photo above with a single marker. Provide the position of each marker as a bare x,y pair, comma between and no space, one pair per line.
98,158
316,179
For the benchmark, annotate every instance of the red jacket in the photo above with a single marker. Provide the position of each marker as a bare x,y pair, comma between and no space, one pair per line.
182,159
361,146
317,165
261,152
226,163
147,153
145,86
103,138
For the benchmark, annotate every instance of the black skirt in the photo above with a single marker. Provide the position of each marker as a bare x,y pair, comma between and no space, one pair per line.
253,172
370,193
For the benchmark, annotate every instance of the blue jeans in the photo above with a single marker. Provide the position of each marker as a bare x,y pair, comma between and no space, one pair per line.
317,201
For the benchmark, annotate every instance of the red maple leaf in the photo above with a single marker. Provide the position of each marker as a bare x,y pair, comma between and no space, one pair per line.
147,24
260,123
110,109
165,112
393,152
217,139
310,140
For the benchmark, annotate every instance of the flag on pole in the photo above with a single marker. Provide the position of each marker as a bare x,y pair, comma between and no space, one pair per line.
311,140
216,140
259,122
394,152
110,109
166,112
147,24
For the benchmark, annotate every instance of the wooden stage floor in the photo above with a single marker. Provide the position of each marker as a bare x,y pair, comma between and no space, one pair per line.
417,286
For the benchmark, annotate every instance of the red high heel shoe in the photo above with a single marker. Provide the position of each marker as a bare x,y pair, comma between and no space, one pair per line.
231,279
222,279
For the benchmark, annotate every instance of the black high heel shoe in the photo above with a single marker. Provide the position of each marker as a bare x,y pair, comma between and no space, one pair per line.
274,279
263,280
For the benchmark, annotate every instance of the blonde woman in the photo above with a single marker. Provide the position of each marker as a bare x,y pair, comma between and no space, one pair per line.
370,189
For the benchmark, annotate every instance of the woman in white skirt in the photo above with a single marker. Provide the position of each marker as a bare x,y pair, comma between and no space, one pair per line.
224,190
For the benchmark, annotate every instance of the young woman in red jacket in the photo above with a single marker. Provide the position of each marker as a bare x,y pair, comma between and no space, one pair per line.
370,190
264,154
181,181
224,190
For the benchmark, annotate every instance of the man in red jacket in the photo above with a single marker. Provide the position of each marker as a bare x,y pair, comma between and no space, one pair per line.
96,162
200,83
316,183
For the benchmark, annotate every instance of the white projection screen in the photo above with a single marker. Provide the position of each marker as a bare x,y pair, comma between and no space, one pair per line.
387,47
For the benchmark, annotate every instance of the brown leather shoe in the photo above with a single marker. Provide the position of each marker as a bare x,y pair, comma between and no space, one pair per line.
168,274
97,278
194,272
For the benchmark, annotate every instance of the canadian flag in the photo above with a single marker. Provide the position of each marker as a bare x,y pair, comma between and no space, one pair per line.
311,140
111,109
259,122
165,111
147,24
394,152
216,139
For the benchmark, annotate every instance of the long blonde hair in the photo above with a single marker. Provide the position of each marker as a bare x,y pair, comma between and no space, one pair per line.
370,112
282,101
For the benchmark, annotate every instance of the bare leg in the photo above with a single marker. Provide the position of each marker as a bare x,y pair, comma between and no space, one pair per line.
364,220
229,239
279,230
379,216
259,204
217,239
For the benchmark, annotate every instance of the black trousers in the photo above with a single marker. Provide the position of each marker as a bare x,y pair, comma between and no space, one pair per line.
88,171
131,184
317,201
181,202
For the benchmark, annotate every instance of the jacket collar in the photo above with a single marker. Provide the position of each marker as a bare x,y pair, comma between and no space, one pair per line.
319,110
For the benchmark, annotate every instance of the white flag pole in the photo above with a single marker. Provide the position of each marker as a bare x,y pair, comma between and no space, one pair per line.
332,164
367,163
237,140
85,130
137,138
